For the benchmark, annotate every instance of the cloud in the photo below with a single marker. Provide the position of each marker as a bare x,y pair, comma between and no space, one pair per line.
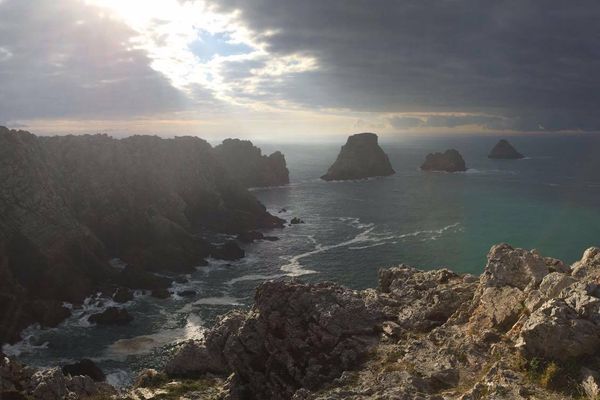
532,64
65,59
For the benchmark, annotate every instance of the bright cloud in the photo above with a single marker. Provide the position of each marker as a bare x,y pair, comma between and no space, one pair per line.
191,44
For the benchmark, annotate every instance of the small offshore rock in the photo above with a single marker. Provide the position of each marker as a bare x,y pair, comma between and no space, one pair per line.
504,150
123,295
448,161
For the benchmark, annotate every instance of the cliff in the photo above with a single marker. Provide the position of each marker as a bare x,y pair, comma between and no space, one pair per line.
245,162
528,327
361,157
69,204
504,150
448,161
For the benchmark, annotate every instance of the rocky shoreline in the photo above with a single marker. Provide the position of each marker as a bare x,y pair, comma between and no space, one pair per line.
528,327
70,204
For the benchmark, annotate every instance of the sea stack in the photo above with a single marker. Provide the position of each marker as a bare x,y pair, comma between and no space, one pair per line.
448,161
504,150
360,158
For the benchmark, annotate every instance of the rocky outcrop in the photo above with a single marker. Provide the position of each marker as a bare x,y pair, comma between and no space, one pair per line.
20,382
69,204
504,150
246,163
448,161
360,158
526,328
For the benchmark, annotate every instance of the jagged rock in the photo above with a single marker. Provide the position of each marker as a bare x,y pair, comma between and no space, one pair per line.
246,163
504,150
229,251
360,158
425,299
85,367
588,265
518,268
48,384
123,295
555,331
111,316
554,283
301,335
296,221
498,309
449,161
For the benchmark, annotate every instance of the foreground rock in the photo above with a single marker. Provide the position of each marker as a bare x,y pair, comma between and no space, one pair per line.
504,150
20,382
526,328
448,161
69,204
246,163
84,367
360,158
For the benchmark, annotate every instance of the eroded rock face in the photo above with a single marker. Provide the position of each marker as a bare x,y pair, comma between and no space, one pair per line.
71,203
448,161
360,158
504,150
246,163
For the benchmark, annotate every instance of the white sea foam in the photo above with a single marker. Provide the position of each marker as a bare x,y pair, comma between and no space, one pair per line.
118,378
26,346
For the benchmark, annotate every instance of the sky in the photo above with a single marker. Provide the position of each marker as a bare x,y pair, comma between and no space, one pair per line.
289,69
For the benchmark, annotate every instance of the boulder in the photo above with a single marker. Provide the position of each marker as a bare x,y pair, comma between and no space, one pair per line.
296,221
360,158
85,367
111,316
229,251
518,268
504,150
448,161
589,265
123,295
555,331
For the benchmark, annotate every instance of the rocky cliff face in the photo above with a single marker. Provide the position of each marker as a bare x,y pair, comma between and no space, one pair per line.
245,162
448,161
69,204
528,327
360,158
504,150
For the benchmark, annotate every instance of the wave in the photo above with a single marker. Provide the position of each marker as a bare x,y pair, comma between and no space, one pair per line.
28,345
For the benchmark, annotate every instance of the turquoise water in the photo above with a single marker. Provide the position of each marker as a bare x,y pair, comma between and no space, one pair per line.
549,201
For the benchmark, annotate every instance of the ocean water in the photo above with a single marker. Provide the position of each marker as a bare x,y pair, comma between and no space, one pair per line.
549,201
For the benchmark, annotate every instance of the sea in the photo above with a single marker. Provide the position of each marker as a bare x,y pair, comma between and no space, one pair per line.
549,201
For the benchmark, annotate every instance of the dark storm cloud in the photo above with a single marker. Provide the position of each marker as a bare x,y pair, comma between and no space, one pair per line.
62,59
534,64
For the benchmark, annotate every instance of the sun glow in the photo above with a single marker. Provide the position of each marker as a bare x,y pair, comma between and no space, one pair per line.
175,36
